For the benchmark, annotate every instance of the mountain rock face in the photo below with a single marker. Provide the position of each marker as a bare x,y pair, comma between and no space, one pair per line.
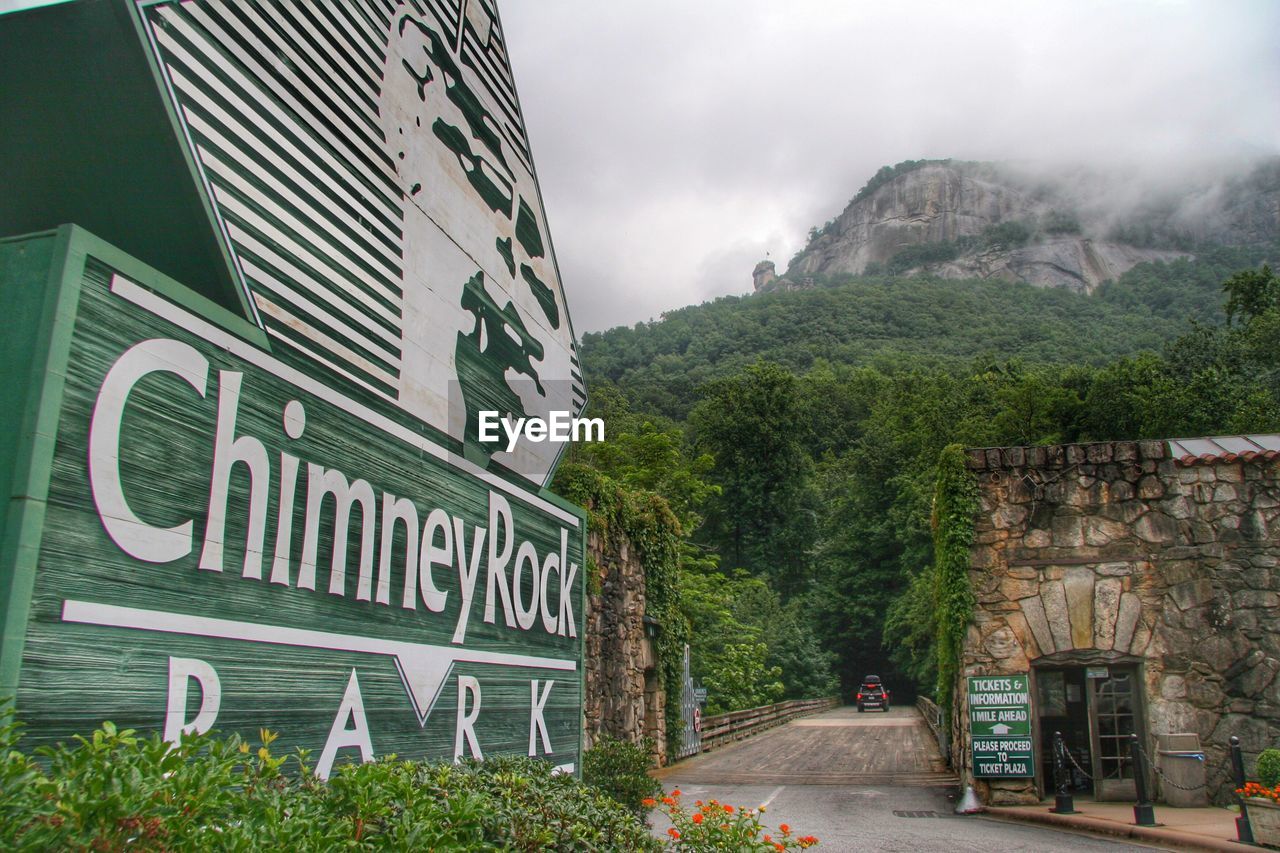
764,278
1076,230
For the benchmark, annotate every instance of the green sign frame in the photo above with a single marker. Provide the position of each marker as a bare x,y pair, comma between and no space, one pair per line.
198,534
999,712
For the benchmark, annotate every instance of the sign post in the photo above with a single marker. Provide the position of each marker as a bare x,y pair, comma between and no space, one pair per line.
1000,726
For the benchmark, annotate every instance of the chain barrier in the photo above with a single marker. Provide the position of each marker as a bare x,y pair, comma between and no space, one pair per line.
1074,763
1164,776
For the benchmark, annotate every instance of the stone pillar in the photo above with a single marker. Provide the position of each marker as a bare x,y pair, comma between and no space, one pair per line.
624,695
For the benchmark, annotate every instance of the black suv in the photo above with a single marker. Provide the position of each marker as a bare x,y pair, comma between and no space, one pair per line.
872,694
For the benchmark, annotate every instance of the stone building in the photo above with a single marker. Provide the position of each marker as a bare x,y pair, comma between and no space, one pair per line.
1136,584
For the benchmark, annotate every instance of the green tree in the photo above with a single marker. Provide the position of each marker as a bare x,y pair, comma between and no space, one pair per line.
1251,293
742,679
763,519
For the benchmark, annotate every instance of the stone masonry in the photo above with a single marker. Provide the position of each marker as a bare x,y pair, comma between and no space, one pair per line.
1118,552
624,698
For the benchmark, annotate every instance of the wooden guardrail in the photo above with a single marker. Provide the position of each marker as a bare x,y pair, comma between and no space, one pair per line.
933,719
735,725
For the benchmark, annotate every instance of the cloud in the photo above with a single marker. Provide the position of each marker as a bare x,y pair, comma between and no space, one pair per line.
673,139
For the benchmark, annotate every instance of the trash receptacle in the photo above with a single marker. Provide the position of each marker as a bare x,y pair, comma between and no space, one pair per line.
1182,770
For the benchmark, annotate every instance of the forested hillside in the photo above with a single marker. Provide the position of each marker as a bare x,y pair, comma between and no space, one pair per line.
797,436
883,320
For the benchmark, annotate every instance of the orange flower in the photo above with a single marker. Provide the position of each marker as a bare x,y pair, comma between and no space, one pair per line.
784,829
728,809
676,792
697,817
698,803
649,802
778,847
668,801
673,832
768,839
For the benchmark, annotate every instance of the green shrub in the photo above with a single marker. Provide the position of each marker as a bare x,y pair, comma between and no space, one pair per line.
115,789
620,770
1005,235
1268,767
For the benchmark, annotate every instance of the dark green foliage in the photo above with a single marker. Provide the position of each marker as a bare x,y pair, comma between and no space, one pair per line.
763,518
747,647
954,507
659,367
808,668
620,770
1268,767
115,791
910,632
1251,293
1182,289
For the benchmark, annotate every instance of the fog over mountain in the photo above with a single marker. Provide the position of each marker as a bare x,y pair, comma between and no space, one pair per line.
679,143
1051,227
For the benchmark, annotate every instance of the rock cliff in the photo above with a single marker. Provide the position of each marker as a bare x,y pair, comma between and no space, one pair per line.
982,220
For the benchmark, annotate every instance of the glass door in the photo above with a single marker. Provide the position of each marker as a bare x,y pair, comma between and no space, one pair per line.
1064,708
1113,717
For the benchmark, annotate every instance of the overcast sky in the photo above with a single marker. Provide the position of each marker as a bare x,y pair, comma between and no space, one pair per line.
679,141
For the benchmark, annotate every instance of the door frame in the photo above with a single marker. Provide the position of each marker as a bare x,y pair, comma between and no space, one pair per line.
1122,790
1084,658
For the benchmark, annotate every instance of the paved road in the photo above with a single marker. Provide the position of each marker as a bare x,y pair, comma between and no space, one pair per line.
870,781
840,747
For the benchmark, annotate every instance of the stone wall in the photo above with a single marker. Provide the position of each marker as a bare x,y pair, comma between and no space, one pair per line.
624,698
1117,552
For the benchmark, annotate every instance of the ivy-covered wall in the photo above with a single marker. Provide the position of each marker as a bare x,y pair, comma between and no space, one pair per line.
955,502
633,542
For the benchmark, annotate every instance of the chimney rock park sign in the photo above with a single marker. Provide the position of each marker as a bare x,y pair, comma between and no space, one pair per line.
267,271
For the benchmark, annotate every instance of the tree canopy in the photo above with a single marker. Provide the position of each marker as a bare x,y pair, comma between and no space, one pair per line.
798,436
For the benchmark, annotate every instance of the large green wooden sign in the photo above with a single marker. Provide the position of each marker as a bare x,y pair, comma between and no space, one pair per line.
259,498
225,542
1000,726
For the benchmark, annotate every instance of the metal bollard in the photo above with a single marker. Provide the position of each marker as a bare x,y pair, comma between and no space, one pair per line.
1143,814
1244,829
1062,801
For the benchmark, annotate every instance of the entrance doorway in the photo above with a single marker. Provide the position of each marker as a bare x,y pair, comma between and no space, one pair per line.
1096,707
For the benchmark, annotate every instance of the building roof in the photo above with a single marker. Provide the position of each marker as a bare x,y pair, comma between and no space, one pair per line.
1224,448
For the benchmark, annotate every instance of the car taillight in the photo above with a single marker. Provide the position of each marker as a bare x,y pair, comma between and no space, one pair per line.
859,695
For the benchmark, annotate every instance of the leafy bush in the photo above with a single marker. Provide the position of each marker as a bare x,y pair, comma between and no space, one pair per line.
115,789
620,770
719,826
742,679
1269,767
